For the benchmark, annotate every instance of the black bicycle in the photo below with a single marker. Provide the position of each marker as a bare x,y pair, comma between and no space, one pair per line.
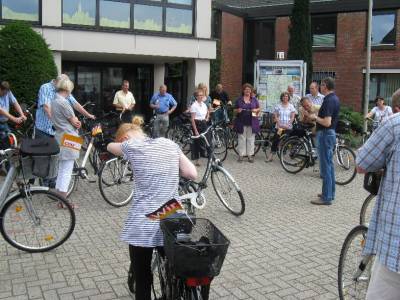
299,152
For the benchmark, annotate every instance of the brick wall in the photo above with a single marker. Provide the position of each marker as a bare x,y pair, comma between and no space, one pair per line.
232,53
349,58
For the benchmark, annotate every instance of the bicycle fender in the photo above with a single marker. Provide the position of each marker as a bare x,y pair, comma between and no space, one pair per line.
17,192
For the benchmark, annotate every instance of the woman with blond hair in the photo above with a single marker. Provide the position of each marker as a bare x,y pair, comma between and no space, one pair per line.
206,98
67,125
157,165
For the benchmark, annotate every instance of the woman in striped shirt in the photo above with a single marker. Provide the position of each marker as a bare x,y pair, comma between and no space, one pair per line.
157,165
284,116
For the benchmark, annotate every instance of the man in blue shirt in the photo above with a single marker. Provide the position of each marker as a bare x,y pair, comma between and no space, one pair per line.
327,119
7,98
164,105
47,93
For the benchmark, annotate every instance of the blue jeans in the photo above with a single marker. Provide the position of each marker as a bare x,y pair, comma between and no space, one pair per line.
326,140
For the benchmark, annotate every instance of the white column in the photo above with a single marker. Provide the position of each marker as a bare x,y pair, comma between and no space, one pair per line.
198,72
57,60
51,12
159,76
203,19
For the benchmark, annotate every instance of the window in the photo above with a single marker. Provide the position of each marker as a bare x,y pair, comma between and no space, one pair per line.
383,85
324,30
79,12
319,75
179,20
185,2
27,10
383,28
168,16
148,17
115,14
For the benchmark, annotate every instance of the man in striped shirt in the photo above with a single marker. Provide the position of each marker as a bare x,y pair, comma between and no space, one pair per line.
47,93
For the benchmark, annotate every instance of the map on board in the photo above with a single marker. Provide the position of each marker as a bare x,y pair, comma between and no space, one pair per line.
274,79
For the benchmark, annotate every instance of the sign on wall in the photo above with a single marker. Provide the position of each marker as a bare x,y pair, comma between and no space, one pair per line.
273,77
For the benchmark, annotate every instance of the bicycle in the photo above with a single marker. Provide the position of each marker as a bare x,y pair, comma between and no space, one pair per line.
222,181
25,129
299,152
30,217
366,209
354,270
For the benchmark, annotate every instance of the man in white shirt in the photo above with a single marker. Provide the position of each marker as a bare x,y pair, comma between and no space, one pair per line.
315,96
125,102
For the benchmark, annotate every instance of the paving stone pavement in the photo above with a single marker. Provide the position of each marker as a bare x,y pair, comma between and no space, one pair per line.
281,248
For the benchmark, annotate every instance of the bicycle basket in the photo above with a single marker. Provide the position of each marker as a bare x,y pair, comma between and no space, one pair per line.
194,250
39,157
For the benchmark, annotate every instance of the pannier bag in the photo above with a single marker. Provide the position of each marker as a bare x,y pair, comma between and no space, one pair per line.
372,181
39,157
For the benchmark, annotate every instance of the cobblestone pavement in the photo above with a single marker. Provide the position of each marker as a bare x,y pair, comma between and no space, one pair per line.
281,248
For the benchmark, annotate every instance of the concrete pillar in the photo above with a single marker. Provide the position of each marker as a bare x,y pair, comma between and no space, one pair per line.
51,12
57,60
203,19
159,76
198,72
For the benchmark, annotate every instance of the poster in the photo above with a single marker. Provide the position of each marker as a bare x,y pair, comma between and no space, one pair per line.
273,78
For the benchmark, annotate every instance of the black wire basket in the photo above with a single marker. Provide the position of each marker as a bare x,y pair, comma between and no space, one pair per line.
195,249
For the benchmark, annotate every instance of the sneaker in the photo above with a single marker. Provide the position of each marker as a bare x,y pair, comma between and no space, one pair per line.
320,202
251,159
240,159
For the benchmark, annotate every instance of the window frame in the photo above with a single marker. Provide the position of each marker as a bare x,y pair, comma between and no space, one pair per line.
335,15
162,3
38,22
382,46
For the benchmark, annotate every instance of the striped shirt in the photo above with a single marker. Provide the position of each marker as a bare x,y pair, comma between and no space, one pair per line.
156,179
5,102
284,114
316,100
382,150
47,93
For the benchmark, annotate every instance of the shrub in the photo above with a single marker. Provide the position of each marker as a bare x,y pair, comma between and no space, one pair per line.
355,118
26,61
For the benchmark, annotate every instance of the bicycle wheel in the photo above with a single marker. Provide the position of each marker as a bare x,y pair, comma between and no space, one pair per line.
74,180
366,209
294,155
345,165
116,182
34,223
349,262
181,136
220,144
228,191
160,284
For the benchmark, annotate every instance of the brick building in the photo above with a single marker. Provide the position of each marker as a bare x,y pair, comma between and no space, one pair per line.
250,30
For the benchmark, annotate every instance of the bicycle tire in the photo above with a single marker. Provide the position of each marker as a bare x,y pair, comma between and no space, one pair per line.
44,202
357,234
181,136
344,165
220,176
160,281
116,182
366,210
295,149
74,180
220,144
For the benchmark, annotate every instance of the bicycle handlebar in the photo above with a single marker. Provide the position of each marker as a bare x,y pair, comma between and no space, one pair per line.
202,135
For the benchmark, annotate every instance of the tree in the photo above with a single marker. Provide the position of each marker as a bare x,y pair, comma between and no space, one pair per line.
26,61
300,41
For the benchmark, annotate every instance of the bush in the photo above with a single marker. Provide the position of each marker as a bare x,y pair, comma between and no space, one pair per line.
356,119
26,61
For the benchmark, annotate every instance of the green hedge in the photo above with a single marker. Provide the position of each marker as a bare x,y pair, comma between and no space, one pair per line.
26,61
355,118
